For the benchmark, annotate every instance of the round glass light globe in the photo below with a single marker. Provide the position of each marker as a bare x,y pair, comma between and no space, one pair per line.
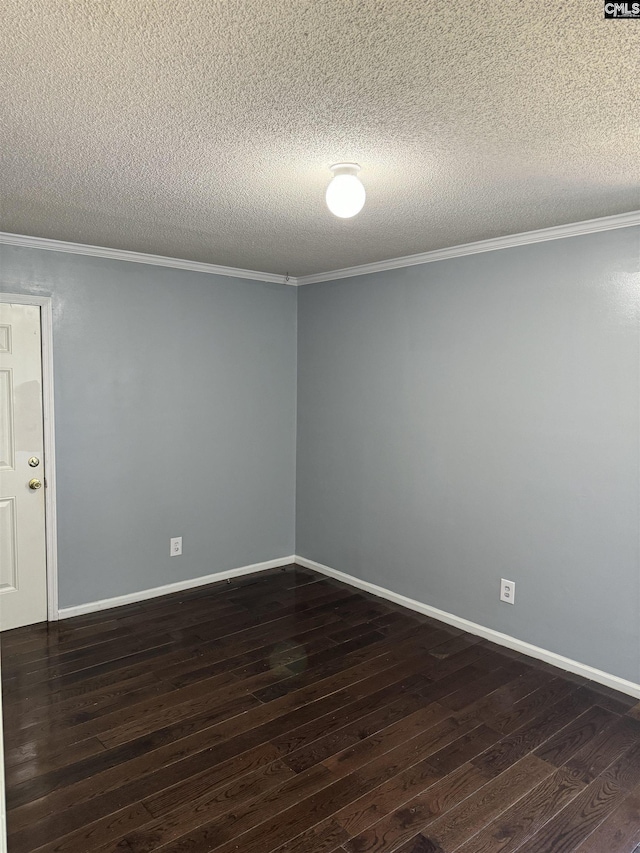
345,196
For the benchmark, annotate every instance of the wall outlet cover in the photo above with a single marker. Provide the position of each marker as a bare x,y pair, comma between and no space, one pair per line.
507,591
176,546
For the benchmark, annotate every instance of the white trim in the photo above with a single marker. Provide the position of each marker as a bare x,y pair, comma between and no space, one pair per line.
140,258
556,232
51,528
167,589
613,681
574,229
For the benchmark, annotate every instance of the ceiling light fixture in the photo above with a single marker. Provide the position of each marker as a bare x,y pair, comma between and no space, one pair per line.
345,193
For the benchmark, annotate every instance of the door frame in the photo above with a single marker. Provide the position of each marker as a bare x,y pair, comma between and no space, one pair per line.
51,538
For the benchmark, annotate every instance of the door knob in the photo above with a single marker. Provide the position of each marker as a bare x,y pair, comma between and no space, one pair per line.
35,484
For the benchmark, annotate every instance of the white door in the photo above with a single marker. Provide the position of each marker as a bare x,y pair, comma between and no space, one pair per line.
23,570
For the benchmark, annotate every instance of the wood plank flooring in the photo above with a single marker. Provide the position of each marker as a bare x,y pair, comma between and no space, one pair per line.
287,713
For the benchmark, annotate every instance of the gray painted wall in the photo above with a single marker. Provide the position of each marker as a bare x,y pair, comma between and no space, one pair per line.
175,416
458,422
478,418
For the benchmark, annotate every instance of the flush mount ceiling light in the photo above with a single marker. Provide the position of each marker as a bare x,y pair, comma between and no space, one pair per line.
345,194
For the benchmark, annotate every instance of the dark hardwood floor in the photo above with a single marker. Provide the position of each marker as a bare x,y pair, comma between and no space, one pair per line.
286,713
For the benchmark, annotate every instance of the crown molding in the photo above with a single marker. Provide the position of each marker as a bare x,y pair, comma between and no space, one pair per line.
556,232
140,258
574,229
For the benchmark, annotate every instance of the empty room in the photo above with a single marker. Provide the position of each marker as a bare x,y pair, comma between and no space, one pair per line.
319,426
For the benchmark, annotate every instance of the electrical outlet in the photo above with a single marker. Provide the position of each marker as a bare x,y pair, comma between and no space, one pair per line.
507,591
176,546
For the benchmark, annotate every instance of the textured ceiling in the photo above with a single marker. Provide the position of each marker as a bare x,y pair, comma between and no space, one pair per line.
204,129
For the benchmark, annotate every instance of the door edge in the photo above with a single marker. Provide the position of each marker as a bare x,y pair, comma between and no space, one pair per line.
45,303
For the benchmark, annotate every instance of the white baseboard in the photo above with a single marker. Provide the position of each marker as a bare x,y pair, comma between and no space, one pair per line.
179,586
606,678
613,681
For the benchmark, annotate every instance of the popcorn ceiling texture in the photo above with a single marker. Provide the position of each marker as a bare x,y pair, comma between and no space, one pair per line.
204,130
